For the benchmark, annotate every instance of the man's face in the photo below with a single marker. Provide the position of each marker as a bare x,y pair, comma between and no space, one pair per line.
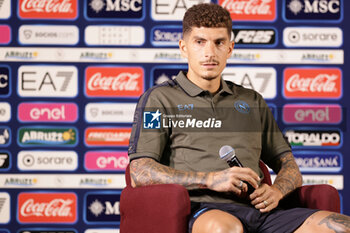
207,51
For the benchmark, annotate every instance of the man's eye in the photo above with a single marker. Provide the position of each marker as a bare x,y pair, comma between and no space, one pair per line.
199,42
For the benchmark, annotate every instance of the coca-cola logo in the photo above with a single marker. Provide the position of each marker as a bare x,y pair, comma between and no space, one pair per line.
312,83
114,81
48,9
250,10
47,207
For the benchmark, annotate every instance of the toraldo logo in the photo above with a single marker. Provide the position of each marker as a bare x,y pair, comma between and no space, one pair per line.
114,81
42,9
313,138
250,10
115,9
47,207
312,113
313,9
109,161
107,136
48,112
312,83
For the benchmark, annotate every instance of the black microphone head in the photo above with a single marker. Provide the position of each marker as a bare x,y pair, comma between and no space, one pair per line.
226,152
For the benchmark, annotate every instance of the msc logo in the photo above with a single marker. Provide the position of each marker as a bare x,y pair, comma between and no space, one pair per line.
102,207
313,9
151,120
115,9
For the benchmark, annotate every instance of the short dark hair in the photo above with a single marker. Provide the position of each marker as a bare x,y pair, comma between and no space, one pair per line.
206,15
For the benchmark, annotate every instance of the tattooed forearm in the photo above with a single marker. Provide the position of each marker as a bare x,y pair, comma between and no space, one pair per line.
288,177
337,222
146,171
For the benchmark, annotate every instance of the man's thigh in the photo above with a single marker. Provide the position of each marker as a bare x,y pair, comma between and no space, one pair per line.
325,221
217,221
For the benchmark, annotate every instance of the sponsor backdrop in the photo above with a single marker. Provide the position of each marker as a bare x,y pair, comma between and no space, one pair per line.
71,72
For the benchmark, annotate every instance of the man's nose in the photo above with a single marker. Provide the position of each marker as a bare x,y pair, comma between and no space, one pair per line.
209,49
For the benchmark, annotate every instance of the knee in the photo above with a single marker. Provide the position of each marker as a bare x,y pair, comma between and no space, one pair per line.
214,226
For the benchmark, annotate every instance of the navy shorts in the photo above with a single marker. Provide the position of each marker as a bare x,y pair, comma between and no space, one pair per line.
277,220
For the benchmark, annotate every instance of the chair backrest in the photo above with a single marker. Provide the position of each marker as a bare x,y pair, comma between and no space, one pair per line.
265,170
266,180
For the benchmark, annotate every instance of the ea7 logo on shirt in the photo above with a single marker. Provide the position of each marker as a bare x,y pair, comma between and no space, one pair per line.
254,36
151,120
313,9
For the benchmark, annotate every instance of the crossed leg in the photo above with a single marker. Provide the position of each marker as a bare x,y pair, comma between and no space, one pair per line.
325,221
217,221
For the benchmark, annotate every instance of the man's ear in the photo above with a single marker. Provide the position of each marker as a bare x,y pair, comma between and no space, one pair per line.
230,49
183,48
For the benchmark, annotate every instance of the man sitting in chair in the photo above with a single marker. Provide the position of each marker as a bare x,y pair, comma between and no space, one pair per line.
180,126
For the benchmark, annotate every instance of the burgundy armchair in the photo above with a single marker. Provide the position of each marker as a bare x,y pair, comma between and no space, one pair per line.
165,208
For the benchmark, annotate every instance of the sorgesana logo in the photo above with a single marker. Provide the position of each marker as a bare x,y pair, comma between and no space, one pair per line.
166,36
114,9
313,9
102,207
318,161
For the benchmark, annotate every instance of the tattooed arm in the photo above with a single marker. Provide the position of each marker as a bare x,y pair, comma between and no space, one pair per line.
146,171
288,177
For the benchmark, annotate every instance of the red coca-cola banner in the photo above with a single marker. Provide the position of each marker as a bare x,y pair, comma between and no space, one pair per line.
312,83
114,81
250,10
48,9
47,207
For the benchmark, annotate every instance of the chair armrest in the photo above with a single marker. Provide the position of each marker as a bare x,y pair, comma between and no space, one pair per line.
154,208
322,197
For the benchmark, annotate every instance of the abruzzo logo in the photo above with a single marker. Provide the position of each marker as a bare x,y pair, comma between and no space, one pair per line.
155,120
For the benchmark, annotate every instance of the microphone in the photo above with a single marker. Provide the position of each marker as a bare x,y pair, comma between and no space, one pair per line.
228,154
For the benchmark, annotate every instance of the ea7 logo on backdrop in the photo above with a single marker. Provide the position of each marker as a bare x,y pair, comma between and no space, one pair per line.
254,36
115,9
47,136
311,138
41,9
4,81
47,207
312,83
47,81
106,161
312,113
261,79
250,10
5,136
102,207
172,10
47,112
114,81
313,9
151,120
107,136
4,161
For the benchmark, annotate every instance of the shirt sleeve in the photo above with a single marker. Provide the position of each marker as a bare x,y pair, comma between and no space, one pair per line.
148,138
274,145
